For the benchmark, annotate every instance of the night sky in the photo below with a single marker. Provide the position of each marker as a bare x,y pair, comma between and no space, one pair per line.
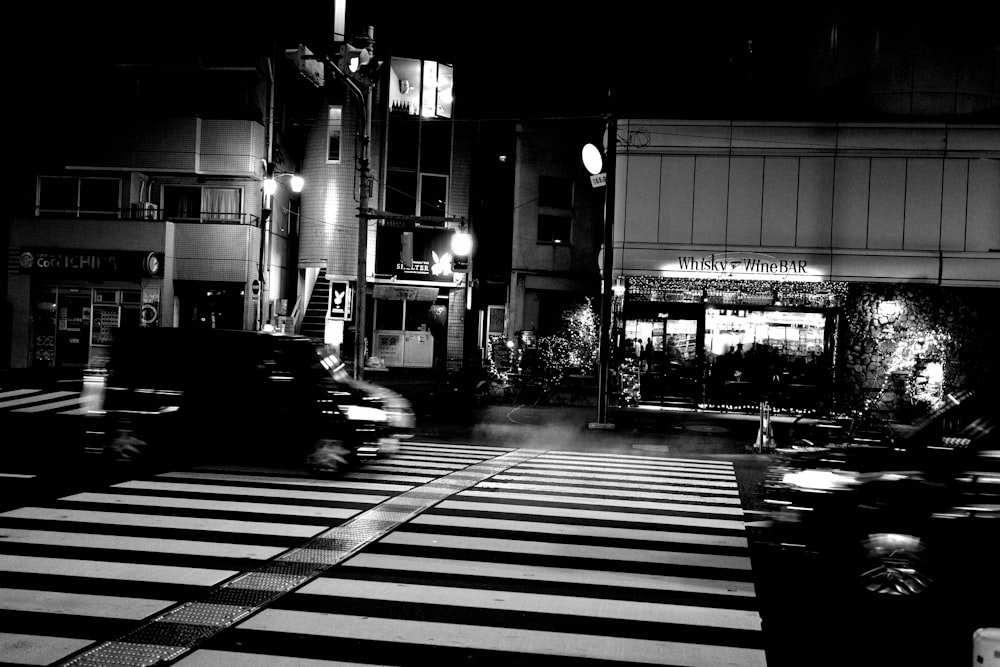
513,59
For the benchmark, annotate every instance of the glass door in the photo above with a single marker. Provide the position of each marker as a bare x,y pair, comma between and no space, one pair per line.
73,328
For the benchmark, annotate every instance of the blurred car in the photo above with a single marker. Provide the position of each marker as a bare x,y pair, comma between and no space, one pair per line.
185,395
918,518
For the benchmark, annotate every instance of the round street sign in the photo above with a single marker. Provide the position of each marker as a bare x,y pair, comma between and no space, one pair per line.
255,287
148,313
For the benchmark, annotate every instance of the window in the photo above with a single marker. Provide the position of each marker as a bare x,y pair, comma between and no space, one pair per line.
554,229
182,203
555,215
220,204
401,192
421,86
334,125
193,203
92,197
433,194
435,146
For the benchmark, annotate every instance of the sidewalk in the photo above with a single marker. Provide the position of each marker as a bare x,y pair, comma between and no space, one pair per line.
444,413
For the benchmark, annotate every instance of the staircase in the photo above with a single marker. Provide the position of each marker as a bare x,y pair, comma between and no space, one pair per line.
314,318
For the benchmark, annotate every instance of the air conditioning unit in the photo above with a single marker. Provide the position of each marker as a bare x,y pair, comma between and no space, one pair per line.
150,211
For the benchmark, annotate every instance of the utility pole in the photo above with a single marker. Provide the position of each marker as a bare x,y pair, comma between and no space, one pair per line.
362,285
607,269
357,69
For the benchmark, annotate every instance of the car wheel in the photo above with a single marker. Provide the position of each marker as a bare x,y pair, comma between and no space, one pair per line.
895,564
329,456
125,446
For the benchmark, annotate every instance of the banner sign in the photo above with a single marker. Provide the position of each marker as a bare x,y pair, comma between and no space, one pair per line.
66,263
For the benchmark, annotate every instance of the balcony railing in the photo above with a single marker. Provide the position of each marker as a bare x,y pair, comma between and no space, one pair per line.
136,212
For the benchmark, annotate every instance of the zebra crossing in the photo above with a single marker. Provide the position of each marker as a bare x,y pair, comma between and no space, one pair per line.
35,400
443,552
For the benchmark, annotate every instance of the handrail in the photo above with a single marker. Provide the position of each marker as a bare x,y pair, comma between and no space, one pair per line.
298,313
150,214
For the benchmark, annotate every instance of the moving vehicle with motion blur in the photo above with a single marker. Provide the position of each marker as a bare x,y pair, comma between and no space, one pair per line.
196,395
917,519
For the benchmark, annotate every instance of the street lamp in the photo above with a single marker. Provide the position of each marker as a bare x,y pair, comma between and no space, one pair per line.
592,160
461,249
461,243
269,186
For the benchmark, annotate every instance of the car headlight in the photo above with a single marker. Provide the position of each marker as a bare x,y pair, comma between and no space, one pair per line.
364,413
819,480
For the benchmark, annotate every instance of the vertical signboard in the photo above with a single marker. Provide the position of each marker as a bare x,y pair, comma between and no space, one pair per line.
149,312
341,299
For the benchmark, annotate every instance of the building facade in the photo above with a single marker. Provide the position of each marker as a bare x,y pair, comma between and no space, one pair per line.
148,209
556,218
756,255
820,227
417,188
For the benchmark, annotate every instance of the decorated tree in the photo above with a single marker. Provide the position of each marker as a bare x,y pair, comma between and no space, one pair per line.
575,345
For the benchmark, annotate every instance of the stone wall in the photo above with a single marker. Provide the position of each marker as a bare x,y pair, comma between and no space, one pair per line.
889,332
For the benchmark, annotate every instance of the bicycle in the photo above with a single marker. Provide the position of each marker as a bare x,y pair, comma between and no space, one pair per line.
825,426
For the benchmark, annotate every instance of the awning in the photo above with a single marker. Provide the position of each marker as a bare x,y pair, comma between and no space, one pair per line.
405,293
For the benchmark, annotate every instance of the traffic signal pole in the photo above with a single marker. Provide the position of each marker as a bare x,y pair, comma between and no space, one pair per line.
361,297
355,81
604,350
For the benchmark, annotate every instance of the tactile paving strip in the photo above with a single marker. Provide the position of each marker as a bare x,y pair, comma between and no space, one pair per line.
181,628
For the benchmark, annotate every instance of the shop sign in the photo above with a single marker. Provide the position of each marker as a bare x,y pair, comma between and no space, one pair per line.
121,264
405,293
742,265
418,254
149,313
340,299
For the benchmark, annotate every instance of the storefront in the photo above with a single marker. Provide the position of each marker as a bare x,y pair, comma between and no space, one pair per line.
77,298
415,276
729,344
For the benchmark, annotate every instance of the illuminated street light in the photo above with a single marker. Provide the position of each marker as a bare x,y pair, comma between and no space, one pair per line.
461,244
593,159
270,184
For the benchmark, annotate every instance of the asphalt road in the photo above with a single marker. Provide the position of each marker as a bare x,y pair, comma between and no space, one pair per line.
806,618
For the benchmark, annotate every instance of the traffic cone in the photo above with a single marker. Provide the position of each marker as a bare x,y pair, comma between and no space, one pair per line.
765,436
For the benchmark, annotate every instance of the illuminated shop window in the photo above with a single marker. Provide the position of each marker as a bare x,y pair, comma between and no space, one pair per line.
421,88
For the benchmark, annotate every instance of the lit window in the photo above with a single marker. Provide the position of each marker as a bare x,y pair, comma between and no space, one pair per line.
555,209
333,128
193,203
554,229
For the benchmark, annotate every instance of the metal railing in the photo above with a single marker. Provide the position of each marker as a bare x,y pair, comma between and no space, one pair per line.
138,213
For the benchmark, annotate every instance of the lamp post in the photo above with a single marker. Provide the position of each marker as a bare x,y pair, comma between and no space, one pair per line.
362,293
461,248
269,186
591,156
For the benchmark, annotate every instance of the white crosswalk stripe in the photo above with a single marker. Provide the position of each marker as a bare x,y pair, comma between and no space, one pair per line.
62,402
558,557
